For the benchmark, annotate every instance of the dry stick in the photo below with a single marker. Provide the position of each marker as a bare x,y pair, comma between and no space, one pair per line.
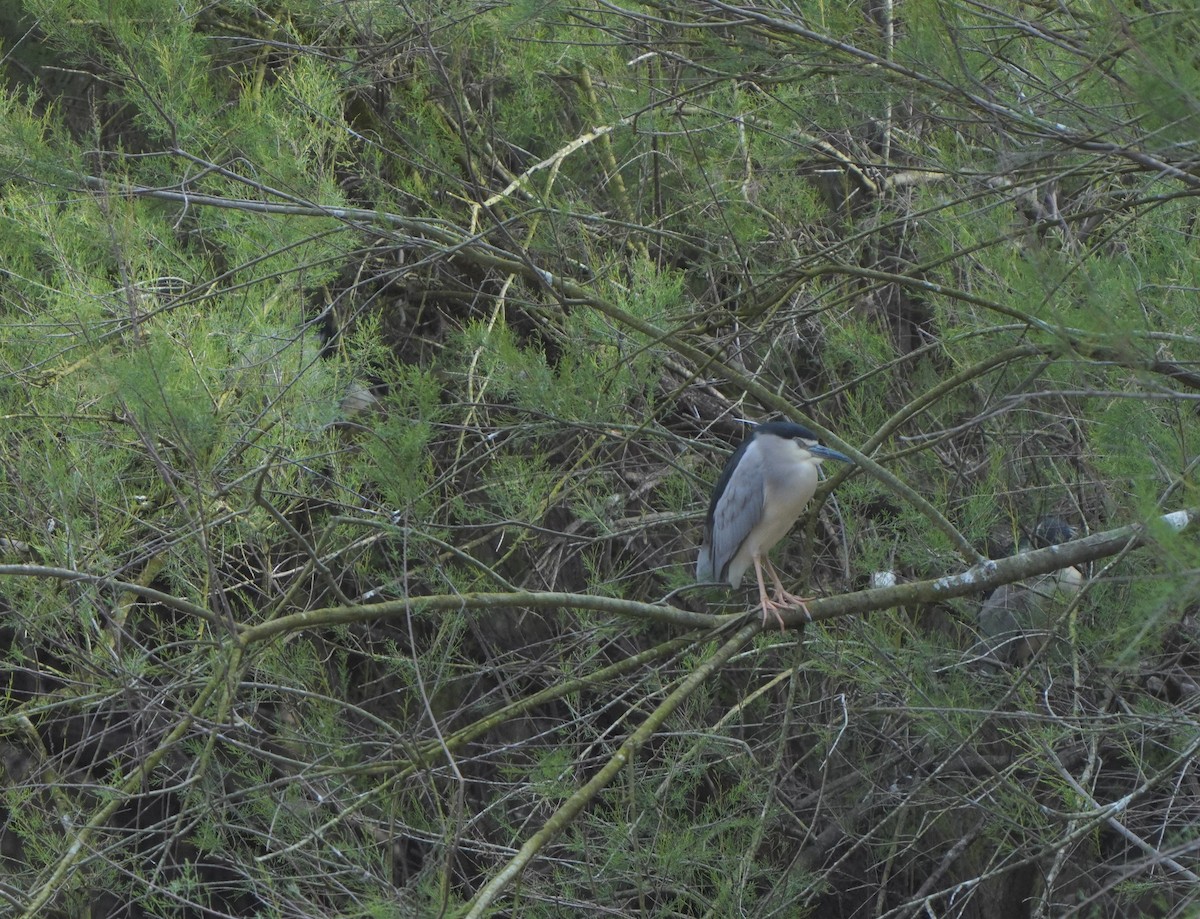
978,578
991,574
704,361
389,609
131,784
1079,138
423,758
559,820
569,293
984,576
139,590
314,557
925,892
931,396
1159,857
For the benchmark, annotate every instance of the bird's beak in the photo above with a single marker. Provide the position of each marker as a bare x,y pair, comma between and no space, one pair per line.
823,453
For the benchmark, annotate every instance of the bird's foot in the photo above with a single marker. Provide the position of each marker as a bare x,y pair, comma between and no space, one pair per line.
773,608
785,600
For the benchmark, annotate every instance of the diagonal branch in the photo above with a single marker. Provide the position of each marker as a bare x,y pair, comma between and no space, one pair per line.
562,817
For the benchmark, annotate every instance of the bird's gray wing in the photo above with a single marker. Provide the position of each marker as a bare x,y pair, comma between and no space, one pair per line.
738,511
704,564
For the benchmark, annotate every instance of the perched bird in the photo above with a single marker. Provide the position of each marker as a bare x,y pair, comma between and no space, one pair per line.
762,490
1015,620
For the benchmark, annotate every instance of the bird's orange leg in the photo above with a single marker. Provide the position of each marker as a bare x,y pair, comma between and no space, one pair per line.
782,597
768,605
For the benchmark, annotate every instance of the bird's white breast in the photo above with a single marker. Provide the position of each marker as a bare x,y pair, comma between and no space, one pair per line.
788,482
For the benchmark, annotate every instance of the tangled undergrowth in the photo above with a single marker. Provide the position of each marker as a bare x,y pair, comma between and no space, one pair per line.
366,374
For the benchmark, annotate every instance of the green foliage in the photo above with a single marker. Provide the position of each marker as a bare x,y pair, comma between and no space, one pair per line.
1125,437
1163,84
597,375
520,487
553,252
399,464
166,395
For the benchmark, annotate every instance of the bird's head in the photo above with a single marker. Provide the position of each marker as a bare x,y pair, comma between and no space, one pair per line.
801,436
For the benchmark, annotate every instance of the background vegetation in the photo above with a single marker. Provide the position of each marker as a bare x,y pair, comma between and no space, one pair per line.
365,371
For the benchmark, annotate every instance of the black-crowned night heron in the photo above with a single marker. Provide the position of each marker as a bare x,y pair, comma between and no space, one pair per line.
762,490
1015,620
